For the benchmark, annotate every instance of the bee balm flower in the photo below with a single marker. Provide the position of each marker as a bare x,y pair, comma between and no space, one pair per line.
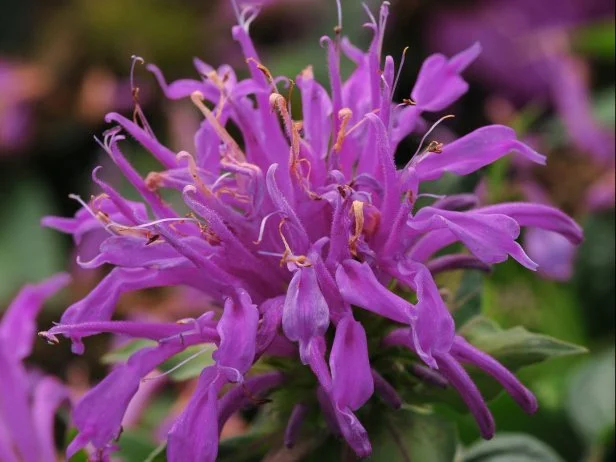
293,228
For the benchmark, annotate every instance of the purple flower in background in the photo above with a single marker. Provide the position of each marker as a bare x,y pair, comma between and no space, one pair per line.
292,229
28,403
526,57
19,85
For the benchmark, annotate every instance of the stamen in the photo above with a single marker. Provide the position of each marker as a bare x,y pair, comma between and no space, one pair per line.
219,179
448,116
245,20
344,115
338,28
270,254
400,66
262,226
134,60
358,211
197,99
361,122
192,168
369,13
236,10
278,102
288,255
177,366
49,338
266,72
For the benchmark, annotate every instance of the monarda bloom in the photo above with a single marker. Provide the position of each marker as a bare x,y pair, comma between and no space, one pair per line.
28,400
295,229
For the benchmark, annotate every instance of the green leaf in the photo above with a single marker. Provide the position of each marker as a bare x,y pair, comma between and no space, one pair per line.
248,447
515,347
512,447
122,353
596,40
158,455
29,252
590,398
407,435
135,445
195,359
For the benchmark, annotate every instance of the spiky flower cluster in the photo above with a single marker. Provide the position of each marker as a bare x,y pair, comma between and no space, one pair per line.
292,229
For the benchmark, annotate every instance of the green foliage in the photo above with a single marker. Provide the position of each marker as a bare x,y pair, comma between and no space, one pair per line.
135,444
511,448
29,252
122,353
196,358
590,398
408,435
596,40
158,455
515,347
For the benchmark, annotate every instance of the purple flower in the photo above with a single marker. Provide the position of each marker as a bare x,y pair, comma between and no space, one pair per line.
27,410
526,57
293,228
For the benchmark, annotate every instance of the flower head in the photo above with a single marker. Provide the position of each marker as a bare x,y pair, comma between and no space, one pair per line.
292,229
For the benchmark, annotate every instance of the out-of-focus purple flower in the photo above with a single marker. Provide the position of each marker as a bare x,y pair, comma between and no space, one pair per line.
27,411
526,57
293,228
19,85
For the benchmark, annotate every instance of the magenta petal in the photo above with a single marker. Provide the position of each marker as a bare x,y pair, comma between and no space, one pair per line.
465,352
460,380
48,396
552,251
491,237
439,83
352,383
15,407
359,286
194,435
294,425
18,324
539,216
305,313
238,332
472,152
433,328
98,415
354,433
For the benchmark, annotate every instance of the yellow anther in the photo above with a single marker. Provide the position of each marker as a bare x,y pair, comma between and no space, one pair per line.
223,134
344,115
192,168
358,210
287,255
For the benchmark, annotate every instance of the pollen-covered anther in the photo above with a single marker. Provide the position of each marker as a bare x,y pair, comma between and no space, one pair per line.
357,209
154,180
279,103
435,147
237,155
219,83
344,115
49,338
266,72
192,168
287,255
